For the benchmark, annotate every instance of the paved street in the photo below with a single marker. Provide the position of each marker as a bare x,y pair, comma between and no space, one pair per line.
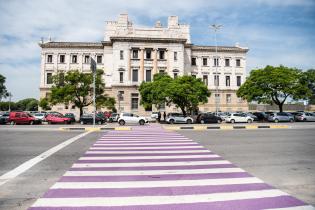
282,158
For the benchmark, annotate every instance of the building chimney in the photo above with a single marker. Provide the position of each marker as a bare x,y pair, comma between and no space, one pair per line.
173,22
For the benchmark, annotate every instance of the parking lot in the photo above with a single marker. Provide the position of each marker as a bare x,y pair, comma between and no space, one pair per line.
283,158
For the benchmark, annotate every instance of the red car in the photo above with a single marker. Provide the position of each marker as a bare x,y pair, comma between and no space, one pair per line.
57,118
22,118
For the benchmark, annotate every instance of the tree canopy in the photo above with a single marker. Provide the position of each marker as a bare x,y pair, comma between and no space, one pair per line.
274,85
3,90
184,92
309,78
77,88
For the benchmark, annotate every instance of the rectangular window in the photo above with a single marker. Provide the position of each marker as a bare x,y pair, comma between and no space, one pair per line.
227,81
74,59
227,62
216,61
148,54
228,98
121,54
135,54
86,59
238,81
205,79
135,75
99,59
162,54
161,71
205,61
121,95
134,100
61,58
148,75
238,62
49,58
193,61
175,75
49,78
216,80
121,77
217,97
175,56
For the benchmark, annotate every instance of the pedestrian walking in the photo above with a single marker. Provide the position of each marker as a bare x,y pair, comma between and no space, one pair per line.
159,116
164,115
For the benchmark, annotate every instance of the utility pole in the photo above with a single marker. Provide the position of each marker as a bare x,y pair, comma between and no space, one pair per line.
10,95
216,27
93,69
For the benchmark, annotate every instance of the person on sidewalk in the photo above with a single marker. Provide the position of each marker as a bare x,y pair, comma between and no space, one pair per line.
164,116
159,116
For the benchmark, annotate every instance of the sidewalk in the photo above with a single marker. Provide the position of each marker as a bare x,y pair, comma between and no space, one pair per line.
150,168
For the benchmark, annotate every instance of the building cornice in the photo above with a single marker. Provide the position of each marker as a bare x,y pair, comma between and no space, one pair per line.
91,45
148,39
220,48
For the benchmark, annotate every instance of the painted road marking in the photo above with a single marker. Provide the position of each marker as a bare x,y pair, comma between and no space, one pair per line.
30,163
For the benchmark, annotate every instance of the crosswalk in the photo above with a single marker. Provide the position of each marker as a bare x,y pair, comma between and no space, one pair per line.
149,168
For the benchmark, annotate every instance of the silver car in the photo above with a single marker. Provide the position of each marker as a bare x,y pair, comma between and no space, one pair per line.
280,117
178,118
305,116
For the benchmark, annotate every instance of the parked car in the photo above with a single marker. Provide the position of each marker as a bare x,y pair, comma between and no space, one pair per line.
57,118
306,117
178,118
4,118
208,118
88,119
113,118
155,115
40,116
22,118
131,118
223,115
239,117
252,116
294,114
71,116
261,116
280,117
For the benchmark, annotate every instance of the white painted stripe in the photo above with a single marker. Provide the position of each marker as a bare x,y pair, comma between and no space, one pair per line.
155,200
148,157
148,144
152,172
140,164
308,207
163,147
150,184
145,152
30,163
143,141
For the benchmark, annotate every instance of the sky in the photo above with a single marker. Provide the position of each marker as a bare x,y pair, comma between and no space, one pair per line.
276,31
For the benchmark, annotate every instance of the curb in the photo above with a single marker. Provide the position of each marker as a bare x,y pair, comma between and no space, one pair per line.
225,127
94,129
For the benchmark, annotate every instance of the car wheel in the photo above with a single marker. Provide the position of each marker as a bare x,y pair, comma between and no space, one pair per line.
276,120
232,121
99,122
219,121
291,120
110,120
172,121
31,122
202,121
304,119
81,122
121,122
189,121
141,122
12,123
249,121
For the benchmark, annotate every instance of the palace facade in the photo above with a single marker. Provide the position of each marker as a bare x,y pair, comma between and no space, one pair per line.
130,55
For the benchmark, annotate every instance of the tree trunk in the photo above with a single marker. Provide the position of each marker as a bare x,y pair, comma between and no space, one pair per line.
183,110
81,110
280,107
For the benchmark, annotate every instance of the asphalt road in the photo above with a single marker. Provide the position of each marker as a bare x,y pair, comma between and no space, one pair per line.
282,158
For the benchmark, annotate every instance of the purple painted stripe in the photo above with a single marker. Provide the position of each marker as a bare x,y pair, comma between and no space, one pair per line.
246,204
149,160
154,191
153,145
153,178
143,142
143,168
146,154
128,150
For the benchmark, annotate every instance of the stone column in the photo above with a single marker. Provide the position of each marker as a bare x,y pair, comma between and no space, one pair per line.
129,65
141,64
155,61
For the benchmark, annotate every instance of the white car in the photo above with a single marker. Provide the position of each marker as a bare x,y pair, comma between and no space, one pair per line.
40,116
239,117
131,118
178,118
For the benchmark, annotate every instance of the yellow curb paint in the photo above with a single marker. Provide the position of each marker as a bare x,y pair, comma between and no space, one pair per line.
123,129
251,126
171,127
200,128
226,127
279,126
92,129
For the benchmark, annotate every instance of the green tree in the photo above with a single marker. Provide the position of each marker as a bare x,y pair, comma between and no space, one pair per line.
4,105
76,87
274,85
44,103
309,78
28,104
3,90
185,92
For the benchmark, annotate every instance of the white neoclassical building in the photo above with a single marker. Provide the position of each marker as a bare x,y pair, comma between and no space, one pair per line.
130,55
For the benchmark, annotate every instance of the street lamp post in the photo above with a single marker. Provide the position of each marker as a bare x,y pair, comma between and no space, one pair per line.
119,96
10,95
216,27
93,68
